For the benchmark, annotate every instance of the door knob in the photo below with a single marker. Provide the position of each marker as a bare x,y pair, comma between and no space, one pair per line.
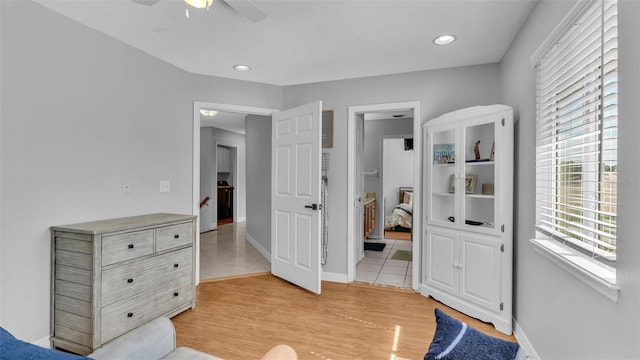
314,206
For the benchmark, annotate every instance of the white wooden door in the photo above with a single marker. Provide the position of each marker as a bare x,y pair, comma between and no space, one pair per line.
442,259
480,270
295,195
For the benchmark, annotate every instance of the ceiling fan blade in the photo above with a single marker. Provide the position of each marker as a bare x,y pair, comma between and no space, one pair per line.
145,2
247,9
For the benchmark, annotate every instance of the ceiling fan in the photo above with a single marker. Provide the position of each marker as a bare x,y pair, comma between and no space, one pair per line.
244,7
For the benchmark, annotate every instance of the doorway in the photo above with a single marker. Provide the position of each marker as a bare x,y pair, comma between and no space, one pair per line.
196,167
355,186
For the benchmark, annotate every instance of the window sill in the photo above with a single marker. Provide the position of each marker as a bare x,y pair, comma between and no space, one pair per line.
600,278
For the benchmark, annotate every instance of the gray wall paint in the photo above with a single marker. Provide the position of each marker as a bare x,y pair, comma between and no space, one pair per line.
81,113
439,91
210,138
259,179
561,316
373,131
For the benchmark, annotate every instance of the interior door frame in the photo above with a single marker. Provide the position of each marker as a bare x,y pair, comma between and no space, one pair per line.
417,190
195,167
235,164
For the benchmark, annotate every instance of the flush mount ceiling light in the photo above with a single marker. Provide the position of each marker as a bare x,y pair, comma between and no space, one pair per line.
444,39
199,4
208,113
241,67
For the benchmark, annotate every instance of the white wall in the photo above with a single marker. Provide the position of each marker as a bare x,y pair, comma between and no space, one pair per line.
209,139
259,179
81,113
373,131
439,91
561,316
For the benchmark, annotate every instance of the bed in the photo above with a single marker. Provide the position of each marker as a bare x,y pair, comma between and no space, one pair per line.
401,218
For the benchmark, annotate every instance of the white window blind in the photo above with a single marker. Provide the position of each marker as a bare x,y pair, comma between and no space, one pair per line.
576,134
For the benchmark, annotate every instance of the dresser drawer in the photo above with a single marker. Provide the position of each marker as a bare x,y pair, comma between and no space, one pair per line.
125,315
133,279
126,246
171,236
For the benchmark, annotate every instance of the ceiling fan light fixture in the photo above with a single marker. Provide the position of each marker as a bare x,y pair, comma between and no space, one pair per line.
208,113
199,4
240,67
445,39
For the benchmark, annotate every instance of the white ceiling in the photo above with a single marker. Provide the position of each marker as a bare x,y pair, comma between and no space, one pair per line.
304,41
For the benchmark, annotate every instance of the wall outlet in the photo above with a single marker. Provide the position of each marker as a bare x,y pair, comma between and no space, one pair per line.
165,186
126,187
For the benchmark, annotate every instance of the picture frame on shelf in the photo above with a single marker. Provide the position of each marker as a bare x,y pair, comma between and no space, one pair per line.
469,183
444,154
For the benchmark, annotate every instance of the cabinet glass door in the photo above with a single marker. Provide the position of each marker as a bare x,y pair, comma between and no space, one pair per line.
441,195
478,207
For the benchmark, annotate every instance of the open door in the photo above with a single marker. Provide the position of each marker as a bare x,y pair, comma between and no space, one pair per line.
295,195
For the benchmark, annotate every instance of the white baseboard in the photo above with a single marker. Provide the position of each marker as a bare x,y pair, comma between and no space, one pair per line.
334,277
524,341
44,342
261,249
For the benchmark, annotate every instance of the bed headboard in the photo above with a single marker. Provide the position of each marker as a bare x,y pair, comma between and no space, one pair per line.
402,190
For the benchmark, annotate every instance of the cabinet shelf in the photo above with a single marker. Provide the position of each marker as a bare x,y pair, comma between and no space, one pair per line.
479,163
479,196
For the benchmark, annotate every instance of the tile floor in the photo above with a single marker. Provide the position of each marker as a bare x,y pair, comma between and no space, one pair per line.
378,268
225,252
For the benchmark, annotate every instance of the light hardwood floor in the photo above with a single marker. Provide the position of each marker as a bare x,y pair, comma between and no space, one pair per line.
243,318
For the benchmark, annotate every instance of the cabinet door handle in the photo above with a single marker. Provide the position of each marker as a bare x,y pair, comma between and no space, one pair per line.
176,236
129,281
130,246
130,315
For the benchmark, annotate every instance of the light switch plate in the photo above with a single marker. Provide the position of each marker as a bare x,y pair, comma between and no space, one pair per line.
165,186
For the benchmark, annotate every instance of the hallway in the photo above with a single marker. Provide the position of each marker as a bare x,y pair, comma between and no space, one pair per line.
225,253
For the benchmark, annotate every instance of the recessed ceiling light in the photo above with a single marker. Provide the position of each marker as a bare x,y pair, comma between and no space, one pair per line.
208,113
444,39
241,67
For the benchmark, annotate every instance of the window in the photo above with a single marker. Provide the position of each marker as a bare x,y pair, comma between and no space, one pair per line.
576,135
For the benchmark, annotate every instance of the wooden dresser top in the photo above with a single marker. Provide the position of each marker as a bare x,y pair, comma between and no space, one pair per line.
123,224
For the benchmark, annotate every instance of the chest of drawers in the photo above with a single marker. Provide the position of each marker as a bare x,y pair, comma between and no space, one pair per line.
111,276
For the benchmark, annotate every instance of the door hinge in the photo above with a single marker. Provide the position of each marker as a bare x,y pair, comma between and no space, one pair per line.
501,306
502,121
502,247
502,228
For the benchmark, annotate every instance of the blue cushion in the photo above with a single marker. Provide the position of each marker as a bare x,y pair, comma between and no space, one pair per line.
14,349
455,340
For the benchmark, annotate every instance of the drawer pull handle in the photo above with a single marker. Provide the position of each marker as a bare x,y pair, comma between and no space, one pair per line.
176,236
129,281
176,265
130,246
130,315
176,293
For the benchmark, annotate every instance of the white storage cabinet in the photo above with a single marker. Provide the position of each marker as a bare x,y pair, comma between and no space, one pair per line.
468,233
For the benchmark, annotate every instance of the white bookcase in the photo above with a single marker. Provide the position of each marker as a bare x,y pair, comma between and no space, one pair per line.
468,207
